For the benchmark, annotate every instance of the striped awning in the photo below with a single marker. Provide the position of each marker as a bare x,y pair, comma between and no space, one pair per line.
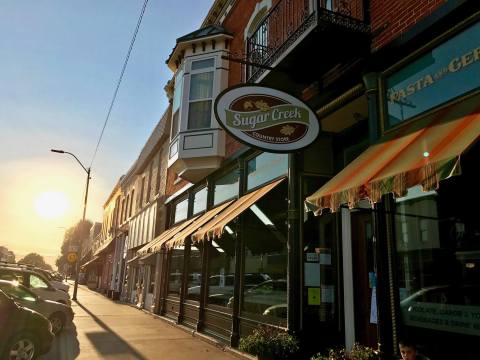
157,243
91,261
179,238
214,228
422,152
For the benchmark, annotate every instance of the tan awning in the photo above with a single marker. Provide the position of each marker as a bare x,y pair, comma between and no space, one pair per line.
180,237
214,228
103,247
95,258
156,243
420,153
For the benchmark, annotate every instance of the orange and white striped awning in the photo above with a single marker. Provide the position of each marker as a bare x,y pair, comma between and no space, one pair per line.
422,152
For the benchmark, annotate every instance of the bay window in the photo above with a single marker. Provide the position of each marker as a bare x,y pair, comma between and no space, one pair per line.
201,94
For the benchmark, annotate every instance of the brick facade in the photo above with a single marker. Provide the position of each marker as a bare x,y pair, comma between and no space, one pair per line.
390,19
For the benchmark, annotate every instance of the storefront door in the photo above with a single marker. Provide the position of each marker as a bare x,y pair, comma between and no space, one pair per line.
364,279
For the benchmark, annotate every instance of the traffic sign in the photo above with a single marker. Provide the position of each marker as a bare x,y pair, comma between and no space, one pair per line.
72,257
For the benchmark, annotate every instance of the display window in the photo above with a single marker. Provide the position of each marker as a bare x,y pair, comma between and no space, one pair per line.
176,271
194,277
221,269
264,292
437,243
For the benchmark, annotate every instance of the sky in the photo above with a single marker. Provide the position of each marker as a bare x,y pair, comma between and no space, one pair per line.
59,64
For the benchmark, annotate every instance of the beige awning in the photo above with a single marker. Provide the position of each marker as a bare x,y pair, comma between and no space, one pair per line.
157,243
95,258
214,228
180,237
103,247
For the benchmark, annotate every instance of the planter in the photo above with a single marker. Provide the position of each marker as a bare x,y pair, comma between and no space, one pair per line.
265,357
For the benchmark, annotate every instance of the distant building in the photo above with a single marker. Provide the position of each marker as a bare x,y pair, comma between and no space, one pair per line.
6,255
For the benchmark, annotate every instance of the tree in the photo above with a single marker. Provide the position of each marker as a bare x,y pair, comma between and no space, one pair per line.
35,260
73,236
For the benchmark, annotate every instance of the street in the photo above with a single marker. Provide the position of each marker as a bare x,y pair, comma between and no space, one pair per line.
103,329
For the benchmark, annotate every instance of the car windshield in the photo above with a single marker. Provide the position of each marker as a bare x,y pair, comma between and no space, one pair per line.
17,292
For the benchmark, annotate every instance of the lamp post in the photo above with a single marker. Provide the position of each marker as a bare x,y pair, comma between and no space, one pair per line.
77,267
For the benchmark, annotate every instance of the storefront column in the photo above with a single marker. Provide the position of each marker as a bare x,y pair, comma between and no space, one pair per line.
184,280
293,219
386,293
237,291
204,281
159,264
163,280
371,90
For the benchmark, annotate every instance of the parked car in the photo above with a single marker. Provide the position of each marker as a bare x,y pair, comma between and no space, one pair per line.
25,334
35,282
263,296
220,287
55,279
58,314
56,283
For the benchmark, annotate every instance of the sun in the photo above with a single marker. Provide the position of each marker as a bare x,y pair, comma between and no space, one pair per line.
51,204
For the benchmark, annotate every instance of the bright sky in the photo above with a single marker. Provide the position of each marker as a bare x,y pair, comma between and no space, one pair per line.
59,64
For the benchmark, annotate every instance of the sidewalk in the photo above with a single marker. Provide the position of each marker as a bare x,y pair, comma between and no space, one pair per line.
103,329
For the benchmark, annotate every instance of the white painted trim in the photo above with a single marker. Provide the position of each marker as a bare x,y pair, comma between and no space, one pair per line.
260,7
348,300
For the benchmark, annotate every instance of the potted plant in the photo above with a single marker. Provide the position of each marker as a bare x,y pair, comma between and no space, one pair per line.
358,352
270,343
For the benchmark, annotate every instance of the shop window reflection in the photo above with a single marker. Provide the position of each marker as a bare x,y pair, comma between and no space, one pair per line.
265,266
176,271
221,269
438,261
194,279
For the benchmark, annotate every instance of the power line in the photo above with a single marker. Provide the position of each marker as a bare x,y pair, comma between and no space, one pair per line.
132,42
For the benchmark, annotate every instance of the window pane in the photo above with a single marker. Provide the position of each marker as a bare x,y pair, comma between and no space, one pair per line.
200,201
265,167
438,259
194,273
320,264
175,124
226,187
221,270
151,286
201,86
36,282
178,91
202,64
176,271
200,114
265,272
181,210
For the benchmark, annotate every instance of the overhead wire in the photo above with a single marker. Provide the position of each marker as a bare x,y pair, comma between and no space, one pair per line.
132,42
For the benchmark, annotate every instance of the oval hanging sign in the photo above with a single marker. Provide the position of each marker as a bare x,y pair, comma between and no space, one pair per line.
266,118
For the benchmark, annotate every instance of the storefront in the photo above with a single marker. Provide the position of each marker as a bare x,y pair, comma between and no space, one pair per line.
420,178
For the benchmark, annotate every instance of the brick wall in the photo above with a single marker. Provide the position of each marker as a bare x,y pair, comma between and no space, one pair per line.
389,19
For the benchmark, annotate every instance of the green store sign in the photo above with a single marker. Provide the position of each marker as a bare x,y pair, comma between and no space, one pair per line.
448,71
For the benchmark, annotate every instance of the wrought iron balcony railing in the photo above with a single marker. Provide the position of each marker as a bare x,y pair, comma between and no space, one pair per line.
288,20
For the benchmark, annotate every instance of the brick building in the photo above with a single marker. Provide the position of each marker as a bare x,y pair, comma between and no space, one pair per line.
387,246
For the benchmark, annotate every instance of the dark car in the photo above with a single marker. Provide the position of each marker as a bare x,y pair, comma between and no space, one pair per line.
25,334
58,314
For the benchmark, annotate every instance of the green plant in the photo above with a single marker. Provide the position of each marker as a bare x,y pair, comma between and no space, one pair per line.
358,352
270,342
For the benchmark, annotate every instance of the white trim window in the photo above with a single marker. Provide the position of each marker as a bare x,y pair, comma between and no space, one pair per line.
201,94
177,100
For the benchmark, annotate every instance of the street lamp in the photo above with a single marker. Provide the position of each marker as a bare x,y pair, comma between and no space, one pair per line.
77,267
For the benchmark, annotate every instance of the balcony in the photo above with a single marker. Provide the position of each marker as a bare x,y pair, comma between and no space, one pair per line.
307,35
